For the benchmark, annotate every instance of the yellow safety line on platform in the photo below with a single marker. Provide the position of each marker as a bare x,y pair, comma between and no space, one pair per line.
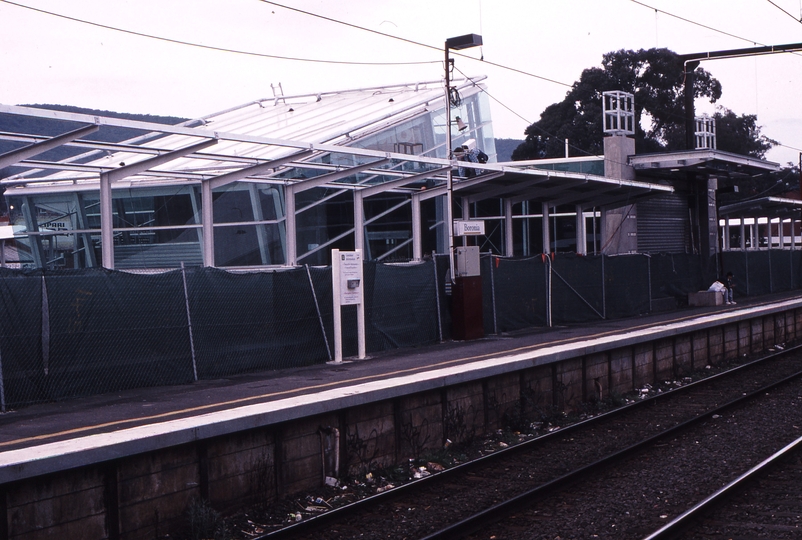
145,419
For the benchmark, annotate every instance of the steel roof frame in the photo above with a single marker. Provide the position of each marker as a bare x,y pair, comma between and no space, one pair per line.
262,170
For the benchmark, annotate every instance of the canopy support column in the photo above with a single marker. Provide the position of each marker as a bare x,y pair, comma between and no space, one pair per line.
546,228
581,232
291,254
106,222
359,222
508,243
207,218
417,240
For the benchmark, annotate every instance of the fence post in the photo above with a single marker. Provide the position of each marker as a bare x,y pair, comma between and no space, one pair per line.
649,278
189,321
2,387
746,266
604,290
45,328
437,296
548,289
493,293
317,307
771,281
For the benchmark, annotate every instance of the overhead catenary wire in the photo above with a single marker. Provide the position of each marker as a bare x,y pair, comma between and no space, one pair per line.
529,123
787,13
343,62
413,42
492,63
212,47
706,27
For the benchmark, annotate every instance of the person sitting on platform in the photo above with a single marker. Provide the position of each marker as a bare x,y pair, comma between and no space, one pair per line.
729,283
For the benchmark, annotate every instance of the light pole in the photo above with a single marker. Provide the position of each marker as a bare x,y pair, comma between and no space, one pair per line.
457,43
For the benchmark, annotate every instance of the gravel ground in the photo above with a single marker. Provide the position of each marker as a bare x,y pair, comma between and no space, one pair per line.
655,492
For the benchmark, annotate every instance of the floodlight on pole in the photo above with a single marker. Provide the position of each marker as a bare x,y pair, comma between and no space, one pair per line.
457,43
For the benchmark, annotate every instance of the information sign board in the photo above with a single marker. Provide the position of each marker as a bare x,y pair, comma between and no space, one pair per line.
351,281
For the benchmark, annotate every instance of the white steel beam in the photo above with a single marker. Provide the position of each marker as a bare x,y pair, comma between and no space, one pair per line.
142,166
207,133
107,178
463,184
545,195
21,154
504,190
228,178
304,185
392,184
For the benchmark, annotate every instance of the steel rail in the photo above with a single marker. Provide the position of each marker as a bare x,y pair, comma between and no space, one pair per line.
494,513
320,520
685,520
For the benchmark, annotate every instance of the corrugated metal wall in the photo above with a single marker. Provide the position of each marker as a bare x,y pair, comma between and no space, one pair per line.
663,224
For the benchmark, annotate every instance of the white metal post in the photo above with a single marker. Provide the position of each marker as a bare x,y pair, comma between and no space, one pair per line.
417,241
360,313
207,215
106,222
337,300
546,227
743,235
508,243
581,232
726,234
291,253
335,296
359,221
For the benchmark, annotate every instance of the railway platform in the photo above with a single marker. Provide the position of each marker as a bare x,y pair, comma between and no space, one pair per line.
223,440
53,422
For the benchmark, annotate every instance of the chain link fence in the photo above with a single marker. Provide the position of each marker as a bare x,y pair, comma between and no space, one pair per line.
82,332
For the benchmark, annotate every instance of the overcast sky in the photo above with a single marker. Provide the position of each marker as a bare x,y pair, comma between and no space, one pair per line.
47,59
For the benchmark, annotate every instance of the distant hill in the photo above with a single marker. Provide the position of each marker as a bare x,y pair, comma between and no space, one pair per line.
50,128
40,126
505,147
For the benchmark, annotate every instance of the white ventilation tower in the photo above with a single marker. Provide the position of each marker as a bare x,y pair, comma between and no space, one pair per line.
619,112
705,133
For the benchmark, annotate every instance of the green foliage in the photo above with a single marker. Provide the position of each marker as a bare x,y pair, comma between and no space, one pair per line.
654,76
740,134
206,523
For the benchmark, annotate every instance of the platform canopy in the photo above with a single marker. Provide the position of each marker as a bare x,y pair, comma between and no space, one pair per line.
703,162
384,140
766,207
193,153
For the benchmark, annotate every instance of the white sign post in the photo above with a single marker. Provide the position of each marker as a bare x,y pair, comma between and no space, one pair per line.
348,288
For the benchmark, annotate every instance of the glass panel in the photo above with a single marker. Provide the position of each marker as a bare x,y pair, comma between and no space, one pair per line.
385,235
156,228
248,245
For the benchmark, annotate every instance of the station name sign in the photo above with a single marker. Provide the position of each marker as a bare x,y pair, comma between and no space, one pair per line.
474,227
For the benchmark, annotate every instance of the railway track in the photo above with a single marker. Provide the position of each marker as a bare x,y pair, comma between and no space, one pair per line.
452,503
766,501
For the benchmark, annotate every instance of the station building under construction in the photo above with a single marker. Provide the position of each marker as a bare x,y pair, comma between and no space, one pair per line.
282,181
249,202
